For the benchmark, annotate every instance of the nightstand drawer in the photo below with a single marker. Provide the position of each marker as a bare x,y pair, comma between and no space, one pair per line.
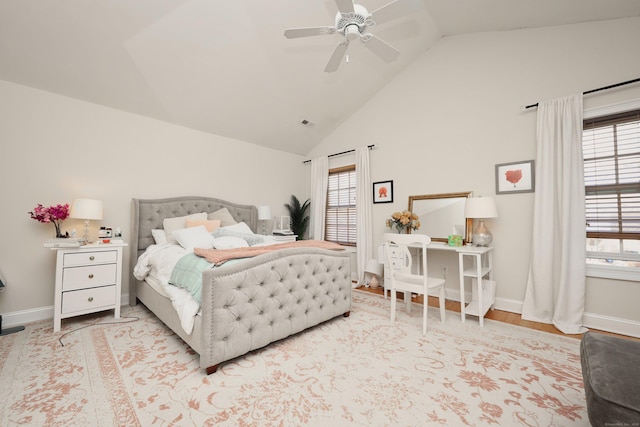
88,299
89,276
89,258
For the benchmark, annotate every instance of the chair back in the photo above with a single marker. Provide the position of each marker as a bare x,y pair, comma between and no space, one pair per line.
398,256
399,260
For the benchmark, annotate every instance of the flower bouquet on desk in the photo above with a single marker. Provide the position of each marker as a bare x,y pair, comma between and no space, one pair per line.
403,221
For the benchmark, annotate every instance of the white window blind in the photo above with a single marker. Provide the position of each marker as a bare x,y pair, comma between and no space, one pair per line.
340,222
611,149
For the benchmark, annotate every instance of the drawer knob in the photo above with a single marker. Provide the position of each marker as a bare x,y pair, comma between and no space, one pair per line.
90,299
91,276
91,258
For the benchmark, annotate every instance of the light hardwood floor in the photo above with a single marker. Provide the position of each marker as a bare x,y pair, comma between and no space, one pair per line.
499,315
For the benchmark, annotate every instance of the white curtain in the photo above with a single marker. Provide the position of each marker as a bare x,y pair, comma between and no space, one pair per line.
556,286
363,212
319,184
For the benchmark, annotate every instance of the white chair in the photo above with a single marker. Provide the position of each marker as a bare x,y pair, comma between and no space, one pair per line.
400,260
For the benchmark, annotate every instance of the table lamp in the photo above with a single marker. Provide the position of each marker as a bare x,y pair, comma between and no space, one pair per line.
481,208
264,215
86,209
374,270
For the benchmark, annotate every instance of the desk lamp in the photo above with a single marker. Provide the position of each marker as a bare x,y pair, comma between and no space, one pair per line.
481,208
264,215
86,209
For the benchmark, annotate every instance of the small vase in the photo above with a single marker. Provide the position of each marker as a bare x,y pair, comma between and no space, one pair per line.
59,234
401,230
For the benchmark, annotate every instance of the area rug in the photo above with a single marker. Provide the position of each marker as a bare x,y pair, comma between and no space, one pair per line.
356,371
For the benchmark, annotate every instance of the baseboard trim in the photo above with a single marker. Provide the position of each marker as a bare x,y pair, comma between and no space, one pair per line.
24,317
600,322
612,324
504,304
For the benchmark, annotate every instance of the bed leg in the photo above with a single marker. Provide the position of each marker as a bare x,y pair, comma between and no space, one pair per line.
212,369
347,314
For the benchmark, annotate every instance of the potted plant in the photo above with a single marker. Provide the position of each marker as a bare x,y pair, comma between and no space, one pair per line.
299,216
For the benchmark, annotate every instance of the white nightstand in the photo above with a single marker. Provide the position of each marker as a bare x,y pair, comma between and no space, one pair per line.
88,279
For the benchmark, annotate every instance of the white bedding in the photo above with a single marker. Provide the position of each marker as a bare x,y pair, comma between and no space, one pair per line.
157,263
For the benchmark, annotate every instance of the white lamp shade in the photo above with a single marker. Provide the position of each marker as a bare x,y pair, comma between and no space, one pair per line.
373,267
264,213
86,209
480,207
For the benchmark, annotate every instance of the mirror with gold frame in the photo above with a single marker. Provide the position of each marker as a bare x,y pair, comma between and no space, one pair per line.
441,215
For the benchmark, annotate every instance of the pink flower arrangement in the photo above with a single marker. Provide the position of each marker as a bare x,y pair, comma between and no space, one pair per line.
53,214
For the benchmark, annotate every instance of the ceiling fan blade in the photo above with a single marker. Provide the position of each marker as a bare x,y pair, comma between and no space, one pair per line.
345,6
294,33
395,9
336,58
380,48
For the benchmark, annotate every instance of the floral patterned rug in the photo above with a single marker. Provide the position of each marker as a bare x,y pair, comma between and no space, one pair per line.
356,371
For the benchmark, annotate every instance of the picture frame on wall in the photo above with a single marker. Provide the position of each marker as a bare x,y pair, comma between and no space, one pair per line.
516,177
383,192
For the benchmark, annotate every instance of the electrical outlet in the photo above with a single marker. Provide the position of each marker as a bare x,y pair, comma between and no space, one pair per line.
444,270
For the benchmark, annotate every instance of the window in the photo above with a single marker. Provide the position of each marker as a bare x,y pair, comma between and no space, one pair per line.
611,150
340,222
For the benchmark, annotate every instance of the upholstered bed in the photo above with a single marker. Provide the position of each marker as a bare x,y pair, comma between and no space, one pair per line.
249,304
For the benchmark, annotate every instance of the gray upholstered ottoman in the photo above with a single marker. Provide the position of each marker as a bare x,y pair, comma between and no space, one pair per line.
611,373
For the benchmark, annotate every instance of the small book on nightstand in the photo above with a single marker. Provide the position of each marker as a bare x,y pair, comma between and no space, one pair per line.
285,237
63,243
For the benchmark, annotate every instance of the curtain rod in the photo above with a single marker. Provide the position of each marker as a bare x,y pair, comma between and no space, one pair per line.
342,152
593,90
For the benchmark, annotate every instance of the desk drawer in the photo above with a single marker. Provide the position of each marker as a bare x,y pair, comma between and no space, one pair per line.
89,258
88,277
88,299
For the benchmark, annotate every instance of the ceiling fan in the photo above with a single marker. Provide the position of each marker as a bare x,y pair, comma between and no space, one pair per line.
352,22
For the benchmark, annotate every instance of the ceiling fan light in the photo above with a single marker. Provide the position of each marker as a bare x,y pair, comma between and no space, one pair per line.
352,32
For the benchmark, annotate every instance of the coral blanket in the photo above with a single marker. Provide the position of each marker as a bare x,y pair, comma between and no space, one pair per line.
220,256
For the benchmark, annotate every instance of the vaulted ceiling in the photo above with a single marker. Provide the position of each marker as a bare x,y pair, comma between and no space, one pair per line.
224,67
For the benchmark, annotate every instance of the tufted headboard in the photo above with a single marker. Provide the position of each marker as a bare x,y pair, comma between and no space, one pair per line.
149,213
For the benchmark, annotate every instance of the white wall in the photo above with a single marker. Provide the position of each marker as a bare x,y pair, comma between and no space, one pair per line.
444,124
54,149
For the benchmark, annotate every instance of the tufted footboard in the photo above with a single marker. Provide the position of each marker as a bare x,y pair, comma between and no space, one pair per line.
248,305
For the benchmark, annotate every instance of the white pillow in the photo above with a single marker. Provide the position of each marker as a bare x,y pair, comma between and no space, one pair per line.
240,227
229,242
159,236
172,224
194,237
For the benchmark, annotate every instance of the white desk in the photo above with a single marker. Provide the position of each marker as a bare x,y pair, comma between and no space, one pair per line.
482,268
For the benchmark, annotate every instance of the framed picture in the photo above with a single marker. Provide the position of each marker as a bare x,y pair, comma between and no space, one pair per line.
383,192
518,177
